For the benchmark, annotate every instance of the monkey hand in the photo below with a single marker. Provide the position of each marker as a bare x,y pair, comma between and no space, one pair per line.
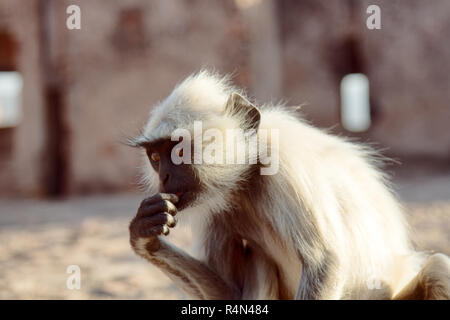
154,217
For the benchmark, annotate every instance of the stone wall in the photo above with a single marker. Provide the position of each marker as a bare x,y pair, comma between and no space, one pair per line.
21,170
129,54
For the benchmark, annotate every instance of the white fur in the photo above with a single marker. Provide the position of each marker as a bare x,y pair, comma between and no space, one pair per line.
321,177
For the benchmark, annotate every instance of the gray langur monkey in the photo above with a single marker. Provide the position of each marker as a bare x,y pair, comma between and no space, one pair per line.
324,226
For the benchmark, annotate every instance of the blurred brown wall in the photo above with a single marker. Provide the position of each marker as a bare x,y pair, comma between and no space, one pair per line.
100,82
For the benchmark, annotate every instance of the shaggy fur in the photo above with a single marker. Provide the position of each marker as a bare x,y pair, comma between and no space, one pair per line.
326,226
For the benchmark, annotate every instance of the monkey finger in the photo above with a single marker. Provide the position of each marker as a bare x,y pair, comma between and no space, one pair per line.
160,197
154,231
166,230
159,219
155,208
160,229
173,223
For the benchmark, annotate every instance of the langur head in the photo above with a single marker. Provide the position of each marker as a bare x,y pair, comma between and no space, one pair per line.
200,142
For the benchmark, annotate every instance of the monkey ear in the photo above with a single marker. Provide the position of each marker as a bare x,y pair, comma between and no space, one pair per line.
238,105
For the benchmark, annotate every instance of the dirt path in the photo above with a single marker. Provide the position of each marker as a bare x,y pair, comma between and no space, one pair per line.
40,239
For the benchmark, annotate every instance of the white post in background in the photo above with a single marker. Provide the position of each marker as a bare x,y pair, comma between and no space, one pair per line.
355,102
10,99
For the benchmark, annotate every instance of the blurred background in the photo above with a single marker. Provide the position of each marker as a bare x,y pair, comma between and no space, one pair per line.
68,187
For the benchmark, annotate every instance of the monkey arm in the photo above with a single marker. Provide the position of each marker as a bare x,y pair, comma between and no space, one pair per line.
154,218
191,275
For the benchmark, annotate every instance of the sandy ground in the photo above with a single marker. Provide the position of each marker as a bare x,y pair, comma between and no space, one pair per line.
40,239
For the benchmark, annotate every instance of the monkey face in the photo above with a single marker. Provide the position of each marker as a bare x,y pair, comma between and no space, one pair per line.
179,179
212,106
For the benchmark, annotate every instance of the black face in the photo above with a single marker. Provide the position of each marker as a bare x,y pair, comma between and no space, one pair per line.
179,179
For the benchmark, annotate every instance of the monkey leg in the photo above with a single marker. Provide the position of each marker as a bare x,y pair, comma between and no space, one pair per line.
318,279
191,275
261,278
431,283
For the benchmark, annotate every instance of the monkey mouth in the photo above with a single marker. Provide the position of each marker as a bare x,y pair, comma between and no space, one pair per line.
181,200
179,194
184,199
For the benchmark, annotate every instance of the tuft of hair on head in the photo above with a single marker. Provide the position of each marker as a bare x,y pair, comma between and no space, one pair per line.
202,89
200,97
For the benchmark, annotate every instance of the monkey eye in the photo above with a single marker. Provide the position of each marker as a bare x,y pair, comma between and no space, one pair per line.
155,156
